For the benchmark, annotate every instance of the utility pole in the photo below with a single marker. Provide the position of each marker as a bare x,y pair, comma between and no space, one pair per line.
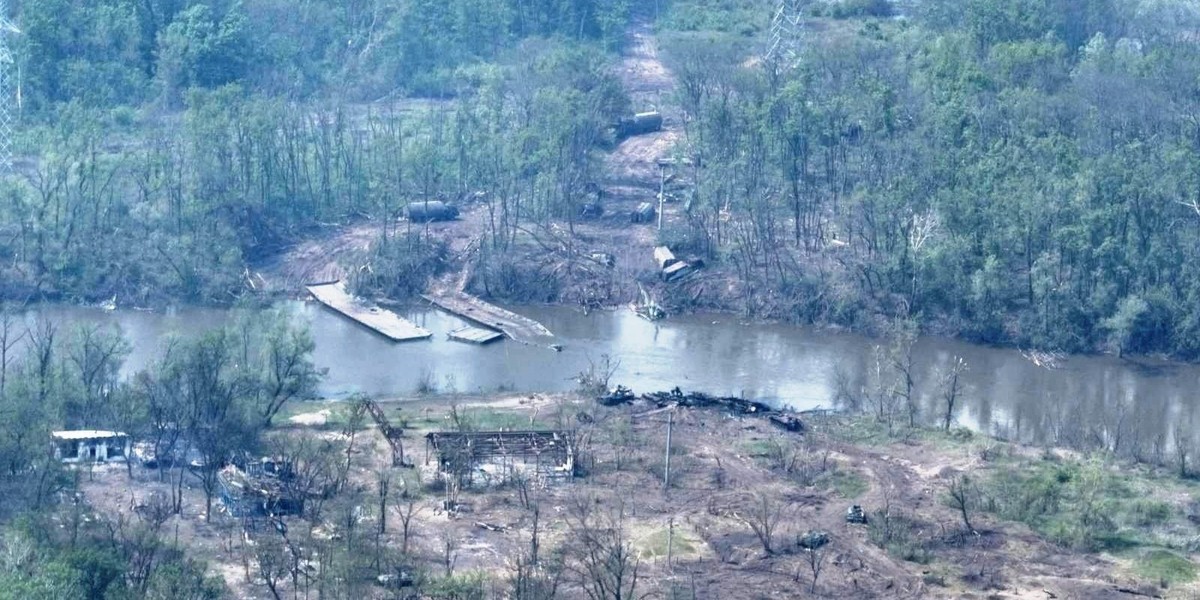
7,99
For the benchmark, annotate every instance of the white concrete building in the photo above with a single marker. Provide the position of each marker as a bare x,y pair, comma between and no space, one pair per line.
90,445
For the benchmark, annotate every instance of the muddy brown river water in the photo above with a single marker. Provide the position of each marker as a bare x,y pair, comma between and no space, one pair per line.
1088,399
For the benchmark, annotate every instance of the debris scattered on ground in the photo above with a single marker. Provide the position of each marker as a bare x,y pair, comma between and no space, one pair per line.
671,267
644,213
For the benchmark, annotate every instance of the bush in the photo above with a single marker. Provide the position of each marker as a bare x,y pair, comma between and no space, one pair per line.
1165,567
468,586
846,9
399,267
896,534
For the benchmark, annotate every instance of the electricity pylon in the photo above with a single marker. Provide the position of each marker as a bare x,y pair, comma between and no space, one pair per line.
7,98
786,30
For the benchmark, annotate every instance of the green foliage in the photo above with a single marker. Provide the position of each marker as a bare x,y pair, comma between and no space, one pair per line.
95,559
846,9
113,52
848,483
401,266
1165,566
186,208
739,17
466,586
1081,505
983,164
898,535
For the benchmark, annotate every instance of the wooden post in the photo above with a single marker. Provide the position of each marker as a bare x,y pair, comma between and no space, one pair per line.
662,188
670,538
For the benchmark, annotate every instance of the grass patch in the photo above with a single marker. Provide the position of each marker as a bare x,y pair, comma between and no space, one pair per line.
488,419
860,431
655,543
1164,566
848,484
737,17
758,448
1084,505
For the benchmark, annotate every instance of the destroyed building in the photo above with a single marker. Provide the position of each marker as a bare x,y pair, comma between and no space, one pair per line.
90,445
466,457
258,491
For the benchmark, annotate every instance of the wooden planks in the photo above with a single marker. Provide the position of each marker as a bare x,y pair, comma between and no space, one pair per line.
521,329
379,320
475,335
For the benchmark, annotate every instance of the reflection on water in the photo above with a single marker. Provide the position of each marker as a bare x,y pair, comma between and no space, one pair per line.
1088,400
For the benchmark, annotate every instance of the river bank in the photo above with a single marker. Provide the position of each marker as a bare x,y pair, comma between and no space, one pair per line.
1088,402
742,496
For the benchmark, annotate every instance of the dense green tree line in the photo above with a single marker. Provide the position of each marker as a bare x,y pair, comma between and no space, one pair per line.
1014,171
122,52
211,397
148,205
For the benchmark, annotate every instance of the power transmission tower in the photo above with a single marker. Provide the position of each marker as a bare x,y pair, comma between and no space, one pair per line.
787,29
7,98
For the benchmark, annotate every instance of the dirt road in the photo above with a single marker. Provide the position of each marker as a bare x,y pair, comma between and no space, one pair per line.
649,83
632,175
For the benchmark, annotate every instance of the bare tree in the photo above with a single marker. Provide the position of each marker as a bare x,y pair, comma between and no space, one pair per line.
1183,447
96,355
314,464
9,338
961,497
271,561
763,516
595,379
601,555
355,421
530,581
41,349
815,557
406,512
951,388
383,485
533,579
903,339
449,552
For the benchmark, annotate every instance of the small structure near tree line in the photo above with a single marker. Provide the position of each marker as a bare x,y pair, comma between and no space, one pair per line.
90,445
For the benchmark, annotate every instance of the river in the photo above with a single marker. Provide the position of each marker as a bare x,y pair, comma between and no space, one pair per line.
1088,399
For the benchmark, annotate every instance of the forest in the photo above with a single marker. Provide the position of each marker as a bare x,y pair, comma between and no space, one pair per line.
1015,172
